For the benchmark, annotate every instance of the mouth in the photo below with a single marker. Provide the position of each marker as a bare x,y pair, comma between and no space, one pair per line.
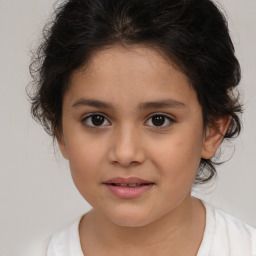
128,188
129,185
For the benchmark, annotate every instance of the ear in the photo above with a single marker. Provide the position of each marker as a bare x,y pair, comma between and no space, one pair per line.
214,135
62,144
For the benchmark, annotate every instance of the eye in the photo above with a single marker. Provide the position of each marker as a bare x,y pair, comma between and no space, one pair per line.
160,120
95,120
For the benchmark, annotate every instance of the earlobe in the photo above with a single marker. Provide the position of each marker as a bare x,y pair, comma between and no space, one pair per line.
214,135
62,145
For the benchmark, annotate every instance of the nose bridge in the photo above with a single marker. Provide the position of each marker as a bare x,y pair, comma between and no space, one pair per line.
127,145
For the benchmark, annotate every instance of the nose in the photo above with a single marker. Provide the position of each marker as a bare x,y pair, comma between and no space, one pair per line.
126,147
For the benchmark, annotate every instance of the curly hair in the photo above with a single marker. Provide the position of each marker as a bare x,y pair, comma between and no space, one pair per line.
191,33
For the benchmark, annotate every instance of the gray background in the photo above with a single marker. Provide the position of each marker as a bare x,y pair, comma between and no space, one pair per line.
37,196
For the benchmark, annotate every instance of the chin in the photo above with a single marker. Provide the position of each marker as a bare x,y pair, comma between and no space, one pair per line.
130,218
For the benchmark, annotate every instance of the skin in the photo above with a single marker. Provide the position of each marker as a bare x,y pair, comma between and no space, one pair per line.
165,220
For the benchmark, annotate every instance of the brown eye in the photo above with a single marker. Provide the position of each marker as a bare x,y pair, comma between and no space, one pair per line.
95,120
160,121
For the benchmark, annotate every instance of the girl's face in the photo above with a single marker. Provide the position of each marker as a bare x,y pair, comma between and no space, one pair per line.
131,117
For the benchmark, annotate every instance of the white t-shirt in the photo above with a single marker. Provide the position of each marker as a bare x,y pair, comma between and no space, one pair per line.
224,235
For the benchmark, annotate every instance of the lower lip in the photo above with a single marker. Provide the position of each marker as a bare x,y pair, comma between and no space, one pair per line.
128,192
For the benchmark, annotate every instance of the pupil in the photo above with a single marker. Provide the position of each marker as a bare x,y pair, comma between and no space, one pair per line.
158,120
97,120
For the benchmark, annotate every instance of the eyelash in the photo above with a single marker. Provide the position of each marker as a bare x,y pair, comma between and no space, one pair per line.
170,119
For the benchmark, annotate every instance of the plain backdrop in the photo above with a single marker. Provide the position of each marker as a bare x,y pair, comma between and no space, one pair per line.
37,195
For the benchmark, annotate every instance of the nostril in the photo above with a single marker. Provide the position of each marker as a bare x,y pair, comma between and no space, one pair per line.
133,163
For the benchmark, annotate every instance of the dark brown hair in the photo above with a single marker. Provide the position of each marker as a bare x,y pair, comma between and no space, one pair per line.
192,33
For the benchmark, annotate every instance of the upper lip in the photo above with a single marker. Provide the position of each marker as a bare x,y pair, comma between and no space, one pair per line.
130,180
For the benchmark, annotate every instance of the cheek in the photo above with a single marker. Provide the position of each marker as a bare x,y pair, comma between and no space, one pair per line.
85,161
178,157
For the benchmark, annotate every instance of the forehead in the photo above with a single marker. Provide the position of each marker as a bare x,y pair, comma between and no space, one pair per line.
135,59
138,73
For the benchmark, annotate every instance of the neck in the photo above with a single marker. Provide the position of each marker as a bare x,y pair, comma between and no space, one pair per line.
165,236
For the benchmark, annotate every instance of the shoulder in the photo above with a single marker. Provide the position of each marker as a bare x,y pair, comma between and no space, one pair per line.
230,236
66,242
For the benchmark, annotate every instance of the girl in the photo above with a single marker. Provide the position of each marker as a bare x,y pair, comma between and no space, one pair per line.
139,95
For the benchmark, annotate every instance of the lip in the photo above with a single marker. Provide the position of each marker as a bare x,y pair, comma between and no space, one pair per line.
130,180
128,192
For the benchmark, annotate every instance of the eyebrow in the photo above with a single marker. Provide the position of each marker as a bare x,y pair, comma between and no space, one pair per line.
166,103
